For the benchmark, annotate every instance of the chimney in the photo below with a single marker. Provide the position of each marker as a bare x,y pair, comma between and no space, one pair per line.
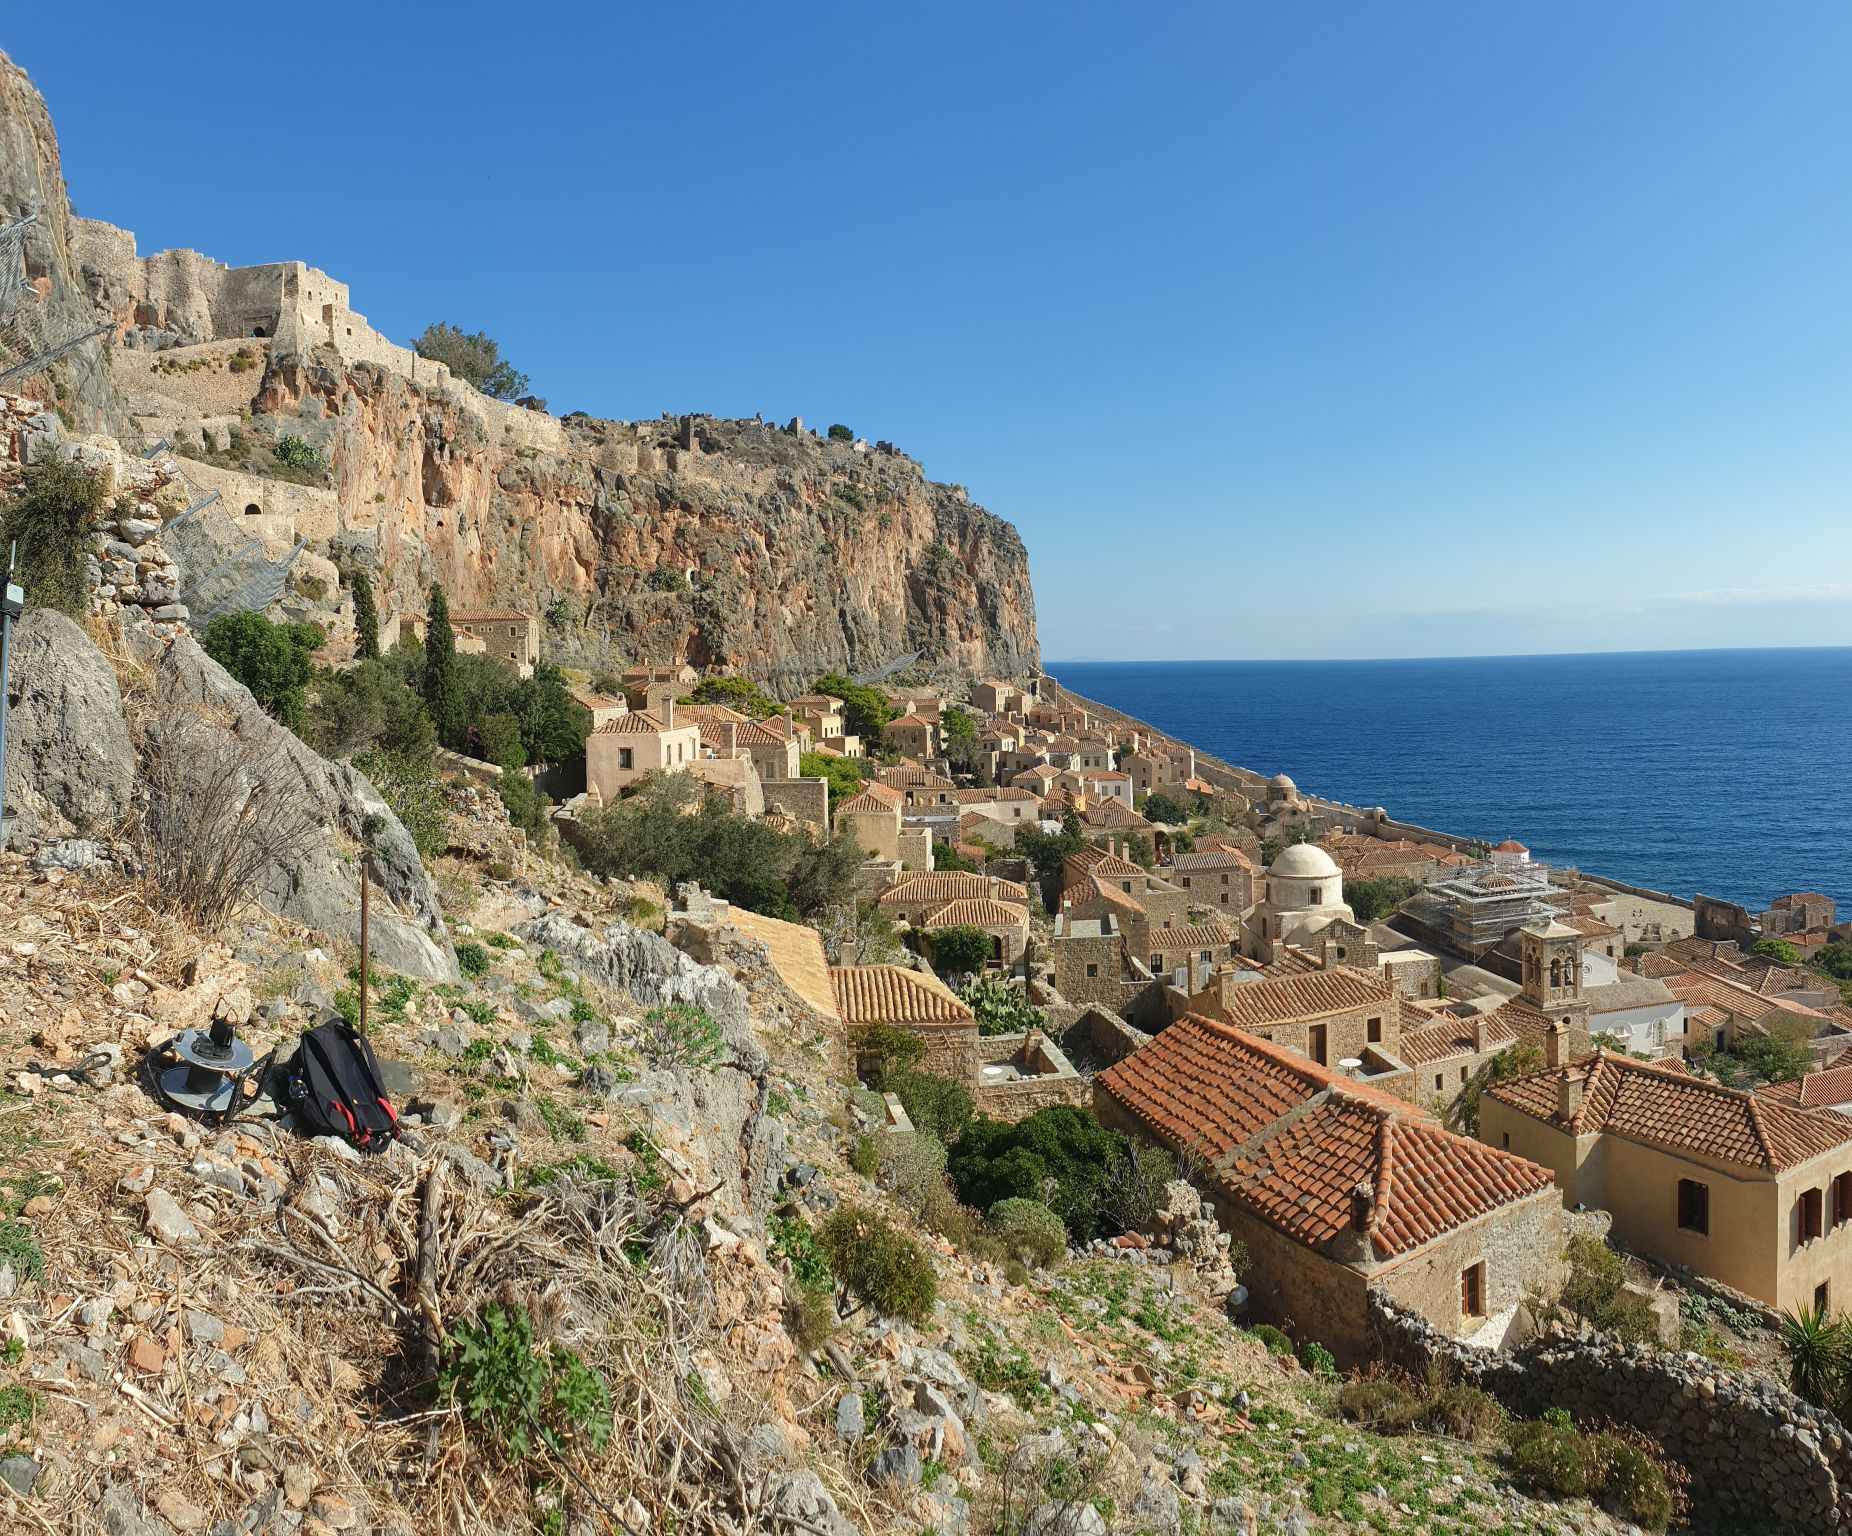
668,712
1362,1199
1478,1034
1556,1044
730,734
1569,1095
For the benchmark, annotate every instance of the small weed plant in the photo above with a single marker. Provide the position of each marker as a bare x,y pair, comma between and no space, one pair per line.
522,1397
680,1035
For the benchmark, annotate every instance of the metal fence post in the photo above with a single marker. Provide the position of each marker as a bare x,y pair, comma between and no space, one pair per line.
12,604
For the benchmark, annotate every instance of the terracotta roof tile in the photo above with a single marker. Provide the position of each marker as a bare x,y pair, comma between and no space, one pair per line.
978,912
493,616
1291,1140
870,800
1216,858
1817,1090
942,885
1644,1101
1191,936
1443,1039
1259,1004
889,994
639,722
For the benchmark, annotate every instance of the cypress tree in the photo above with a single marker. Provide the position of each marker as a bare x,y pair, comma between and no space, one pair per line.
441,694
366,619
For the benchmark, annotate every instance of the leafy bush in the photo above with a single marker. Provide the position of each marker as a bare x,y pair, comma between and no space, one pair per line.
275,661
937,1105
913,1167
865,709
1317,1359
1778,950
680,1035
1162,807
883,1053
960,951
475,359
877,1263
1594,1289
1088,1175
1277,1343
999,1008
296,453
662,579
740,693
1550,1456
846,776
472,959
1371,899
865,1156
522,1396
410,786
527,808
53,518
841,434
1029,1231
675,828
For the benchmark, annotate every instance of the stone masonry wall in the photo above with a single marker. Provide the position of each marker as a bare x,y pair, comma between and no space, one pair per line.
1752,1449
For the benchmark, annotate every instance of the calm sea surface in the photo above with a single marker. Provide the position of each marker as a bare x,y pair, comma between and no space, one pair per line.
1726,772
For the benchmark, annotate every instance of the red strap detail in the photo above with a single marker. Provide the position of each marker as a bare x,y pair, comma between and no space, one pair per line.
352,1128
389,1114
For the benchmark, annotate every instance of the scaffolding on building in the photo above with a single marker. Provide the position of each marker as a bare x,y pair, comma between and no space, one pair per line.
1483,904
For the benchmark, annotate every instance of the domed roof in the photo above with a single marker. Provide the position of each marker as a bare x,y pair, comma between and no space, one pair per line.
1303,861
1280,781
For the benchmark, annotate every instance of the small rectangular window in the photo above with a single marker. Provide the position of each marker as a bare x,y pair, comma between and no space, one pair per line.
1374,1029
1812,1208
1505,1140
1316,1043
1093,970
1842,1198
1694,1206
1472,1290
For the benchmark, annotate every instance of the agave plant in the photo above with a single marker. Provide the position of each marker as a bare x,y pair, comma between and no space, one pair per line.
1819,1354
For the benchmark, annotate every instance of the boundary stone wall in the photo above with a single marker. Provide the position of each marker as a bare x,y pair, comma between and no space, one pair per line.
1752,1448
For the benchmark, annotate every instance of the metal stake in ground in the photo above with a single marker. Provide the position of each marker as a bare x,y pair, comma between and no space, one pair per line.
366,881
12,605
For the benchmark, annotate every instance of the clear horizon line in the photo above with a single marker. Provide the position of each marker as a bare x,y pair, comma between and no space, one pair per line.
1198,661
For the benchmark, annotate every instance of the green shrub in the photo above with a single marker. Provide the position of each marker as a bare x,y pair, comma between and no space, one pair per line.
1089,1176
877,1263
1317,1359
865,1157
295,452
680,1035
1029,1232
1382,1402
913,1167
795,1242
1467,1414
519,1395
275,661
961,950
1551,1458
53,518
20,1250
1632,1483
1595,1291
1277,1343
810,1318
935,1105
840,434
999,1008
410,786
883,1052
472,959
527,808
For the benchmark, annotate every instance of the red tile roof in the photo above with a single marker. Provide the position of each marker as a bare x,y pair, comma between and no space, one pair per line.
873,798
1817,1090
888,994
1260,1004
1644,1101
942,885
1291,1140
978,912
639,722
1449,1037
1191,936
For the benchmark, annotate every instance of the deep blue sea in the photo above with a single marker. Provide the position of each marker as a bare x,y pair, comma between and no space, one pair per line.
1726,772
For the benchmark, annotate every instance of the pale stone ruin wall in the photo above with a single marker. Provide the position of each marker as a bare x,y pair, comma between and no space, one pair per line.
1752,1449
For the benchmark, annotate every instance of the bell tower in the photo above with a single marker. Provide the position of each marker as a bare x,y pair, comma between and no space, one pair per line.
1552,976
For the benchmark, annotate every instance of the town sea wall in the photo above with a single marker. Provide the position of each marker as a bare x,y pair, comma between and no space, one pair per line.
1752,1449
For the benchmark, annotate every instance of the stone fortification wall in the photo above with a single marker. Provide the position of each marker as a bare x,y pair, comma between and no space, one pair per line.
1752,1449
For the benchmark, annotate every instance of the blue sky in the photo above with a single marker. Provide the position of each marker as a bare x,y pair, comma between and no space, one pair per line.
1279,331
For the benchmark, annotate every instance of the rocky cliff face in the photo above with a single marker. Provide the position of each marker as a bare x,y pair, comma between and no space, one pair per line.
55,304
727,544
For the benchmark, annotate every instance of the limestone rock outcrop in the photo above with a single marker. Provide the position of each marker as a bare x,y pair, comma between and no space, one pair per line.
711,1114
315,882
69,764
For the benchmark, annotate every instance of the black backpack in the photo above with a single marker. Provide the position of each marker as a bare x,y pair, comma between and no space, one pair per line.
335,1090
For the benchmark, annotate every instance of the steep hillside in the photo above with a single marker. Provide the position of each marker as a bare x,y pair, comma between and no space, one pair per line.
770,550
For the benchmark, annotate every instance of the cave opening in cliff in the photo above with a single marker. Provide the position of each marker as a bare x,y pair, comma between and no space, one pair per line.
251,509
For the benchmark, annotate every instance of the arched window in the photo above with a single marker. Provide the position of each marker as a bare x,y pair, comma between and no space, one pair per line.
252,509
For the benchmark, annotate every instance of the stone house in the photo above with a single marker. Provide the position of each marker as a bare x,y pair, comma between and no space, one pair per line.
914,735
644,673
914,896
917,1002
1093,959
874,814
1336,1188
624,749
506,634
1004,805
602,707
1005,923
920,788
1344,1014
1445,1050
1103,784
1220,881
996,698
1739,1186
1010,1076
1187,955
418,626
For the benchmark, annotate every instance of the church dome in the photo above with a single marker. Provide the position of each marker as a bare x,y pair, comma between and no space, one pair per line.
1281,782
1303,861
